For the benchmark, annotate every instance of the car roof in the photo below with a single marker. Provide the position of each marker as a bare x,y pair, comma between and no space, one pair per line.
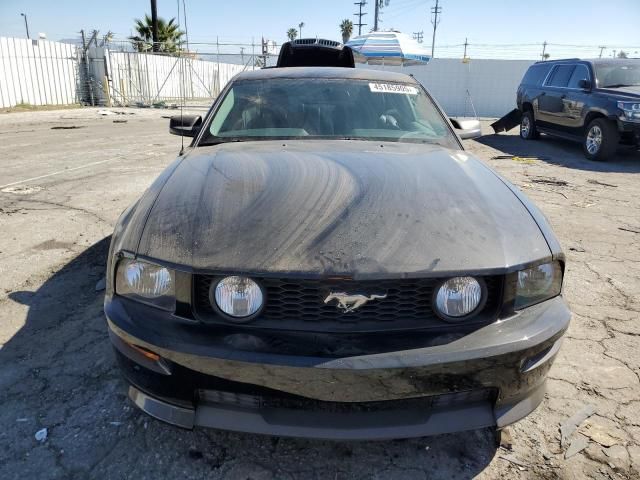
326,72
594,61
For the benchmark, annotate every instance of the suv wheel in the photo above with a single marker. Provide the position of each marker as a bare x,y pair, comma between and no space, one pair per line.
600,140
528,129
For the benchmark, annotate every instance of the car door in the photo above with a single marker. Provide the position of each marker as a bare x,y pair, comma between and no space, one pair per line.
552,101
576,97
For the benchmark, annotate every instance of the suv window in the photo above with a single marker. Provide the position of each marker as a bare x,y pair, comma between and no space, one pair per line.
580,73
560,75
535,75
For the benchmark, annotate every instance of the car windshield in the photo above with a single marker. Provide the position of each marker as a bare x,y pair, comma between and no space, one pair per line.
618,74
327,108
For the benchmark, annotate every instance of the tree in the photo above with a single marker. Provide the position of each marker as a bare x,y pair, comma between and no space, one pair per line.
546,56
346,29
622,54
300,25
292,33
169,35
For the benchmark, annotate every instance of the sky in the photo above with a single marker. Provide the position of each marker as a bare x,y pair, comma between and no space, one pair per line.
486,23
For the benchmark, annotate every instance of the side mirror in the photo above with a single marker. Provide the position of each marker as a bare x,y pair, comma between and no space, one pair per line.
185,125
467,128
584,84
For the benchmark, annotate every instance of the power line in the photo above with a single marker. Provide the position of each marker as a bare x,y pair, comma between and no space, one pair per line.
418,36
437,10
360,4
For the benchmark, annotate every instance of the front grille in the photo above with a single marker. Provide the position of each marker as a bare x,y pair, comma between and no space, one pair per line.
298,304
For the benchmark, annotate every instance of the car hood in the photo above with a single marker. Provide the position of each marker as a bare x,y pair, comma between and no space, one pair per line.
632,92
356,208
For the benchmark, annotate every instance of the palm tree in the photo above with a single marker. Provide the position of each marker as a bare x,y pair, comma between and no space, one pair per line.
292,33
300,25
346,29
169,35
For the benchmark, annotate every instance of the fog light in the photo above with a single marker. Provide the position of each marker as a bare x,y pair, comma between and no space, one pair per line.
238,297
458,297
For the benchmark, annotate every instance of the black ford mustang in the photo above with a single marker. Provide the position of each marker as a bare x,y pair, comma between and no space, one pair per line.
326,260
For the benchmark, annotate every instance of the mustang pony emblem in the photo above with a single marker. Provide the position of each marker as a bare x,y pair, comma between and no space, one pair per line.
348,303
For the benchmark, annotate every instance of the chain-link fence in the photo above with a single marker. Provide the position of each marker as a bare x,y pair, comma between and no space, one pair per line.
118,74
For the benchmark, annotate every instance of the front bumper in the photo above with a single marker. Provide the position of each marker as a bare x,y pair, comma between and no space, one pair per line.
630,132
489,378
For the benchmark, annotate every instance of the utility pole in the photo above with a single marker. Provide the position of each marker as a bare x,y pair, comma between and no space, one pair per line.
436,11
186,30
418,36
242,54
265,51
601,49
466,44
26,24
154,26
360,4
544,49
376,14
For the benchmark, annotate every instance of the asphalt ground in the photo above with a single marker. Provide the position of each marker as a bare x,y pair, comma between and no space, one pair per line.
65,177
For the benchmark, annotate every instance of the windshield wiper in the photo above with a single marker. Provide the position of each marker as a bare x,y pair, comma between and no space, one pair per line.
219,140
620,85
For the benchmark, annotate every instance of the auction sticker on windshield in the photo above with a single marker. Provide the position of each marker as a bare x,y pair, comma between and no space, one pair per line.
393,88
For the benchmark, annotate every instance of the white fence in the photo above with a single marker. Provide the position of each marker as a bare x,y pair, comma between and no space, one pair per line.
51,73
37,72
41,72
488,85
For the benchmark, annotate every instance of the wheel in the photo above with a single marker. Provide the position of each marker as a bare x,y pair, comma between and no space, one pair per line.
600,139
528,129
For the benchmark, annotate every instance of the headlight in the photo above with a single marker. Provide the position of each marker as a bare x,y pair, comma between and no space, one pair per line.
146,282
238,297
458,297
537,284
630,110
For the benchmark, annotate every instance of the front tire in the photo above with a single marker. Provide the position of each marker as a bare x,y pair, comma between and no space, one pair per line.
528,129
600,140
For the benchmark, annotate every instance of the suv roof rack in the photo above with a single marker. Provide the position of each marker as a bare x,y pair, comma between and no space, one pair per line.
315,52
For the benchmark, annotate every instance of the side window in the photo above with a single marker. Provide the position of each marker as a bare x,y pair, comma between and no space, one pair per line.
580,73
535,75
223,113
560,75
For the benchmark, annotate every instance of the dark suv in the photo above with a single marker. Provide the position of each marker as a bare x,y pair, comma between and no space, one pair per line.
596,102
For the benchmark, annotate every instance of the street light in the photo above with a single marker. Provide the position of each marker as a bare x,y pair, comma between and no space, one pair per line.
26,24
